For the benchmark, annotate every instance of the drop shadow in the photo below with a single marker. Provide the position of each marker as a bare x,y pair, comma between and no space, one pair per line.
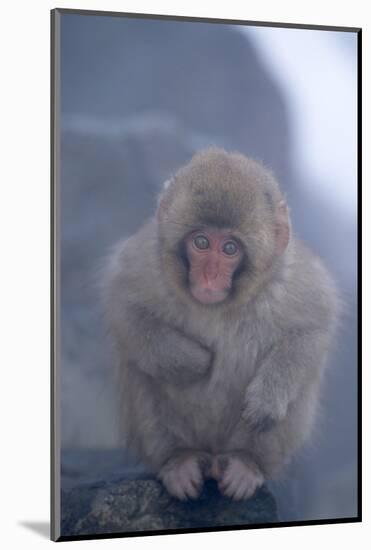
42,528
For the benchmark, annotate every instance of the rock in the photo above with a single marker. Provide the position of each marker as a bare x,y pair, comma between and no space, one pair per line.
144,505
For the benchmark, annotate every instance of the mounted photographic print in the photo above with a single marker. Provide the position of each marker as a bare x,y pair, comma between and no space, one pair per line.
205,359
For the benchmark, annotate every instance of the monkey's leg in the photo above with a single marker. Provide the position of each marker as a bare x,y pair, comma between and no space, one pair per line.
166,452
237,475
184,473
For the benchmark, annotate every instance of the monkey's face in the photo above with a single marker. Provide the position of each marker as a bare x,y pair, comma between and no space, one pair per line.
222,226
213,256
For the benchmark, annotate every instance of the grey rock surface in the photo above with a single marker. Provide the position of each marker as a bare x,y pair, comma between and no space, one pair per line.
144,505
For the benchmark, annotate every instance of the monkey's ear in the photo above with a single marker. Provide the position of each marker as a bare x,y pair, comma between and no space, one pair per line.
282,227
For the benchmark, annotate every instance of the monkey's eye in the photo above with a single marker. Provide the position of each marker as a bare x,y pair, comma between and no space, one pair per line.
230,248
201,242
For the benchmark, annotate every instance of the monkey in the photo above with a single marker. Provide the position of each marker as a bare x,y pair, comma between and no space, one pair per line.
222,321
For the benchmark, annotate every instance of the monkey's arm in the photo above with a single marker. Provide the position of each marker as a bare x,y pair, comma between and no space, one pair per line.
161,350
295,361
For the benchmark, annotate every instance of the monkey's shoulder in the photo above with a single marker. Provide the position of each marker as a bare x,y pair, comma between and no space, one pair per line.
311,292
310,267
133,267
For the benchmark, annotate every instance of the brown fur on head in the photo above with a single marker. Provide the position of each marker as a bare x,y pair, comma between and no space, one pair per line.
224,191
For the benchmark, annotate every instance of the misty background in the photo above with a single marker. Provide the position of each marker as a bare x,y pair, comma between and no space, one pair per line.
138,98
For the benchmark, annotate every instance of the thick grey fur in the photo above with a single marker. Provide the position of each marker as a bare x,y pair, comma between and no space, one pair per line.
241,378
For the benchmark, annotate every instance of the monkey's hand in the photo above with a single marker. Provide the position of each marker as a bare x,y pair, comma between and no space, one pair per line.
184,473
264,404
238,477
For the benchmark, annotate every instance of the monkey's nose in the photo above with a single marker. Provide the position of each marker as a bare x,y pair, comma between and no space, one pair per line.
211,271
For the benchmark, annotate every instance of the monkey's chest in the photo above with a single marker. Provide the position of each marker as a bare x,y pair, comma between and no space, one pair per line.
206,413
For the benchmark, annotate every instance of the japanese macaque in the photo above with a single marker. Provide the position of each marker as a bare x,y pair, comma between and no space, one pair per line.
222,321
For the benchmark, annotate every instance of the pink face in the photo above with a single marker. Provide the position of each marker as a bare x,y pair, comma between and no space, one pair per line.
214,256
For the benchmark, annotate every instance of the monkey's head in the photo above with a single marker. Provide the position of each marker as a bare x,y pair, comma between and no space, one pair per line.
223,226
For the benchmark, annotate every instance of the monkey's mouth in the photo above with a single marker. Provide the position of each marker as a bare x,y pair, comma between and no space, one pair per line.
207,295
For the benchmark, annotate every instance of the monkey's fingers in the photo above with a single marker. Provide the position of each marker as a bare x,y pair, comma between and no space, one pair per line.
192,480
180,488
240,481
192,489
184,479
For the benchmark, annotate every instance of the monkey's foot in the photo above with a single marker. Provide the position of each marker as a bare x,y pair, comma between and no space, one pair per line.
183,475
237,476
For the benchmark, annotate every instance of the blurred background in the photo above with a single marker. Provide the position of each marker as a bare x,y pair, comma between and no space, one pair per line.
138,98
